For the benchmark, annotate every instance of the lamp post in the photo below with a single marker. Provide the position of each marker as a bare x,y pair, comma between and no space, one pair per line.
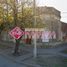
34,12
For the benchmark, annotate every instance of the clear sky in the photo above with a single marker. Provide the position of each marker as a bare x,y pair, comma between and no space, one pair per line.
61,5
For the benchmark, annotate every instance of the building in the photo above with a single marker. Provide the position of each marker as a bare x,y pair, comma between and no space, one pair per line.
64,31
51,18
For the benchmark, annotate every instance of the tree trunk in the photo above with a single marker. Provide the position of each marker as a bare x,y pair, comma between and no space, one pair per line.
16,52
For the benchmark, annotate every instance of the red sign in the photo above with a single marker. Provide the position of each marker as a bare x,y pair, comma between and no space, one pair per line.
16,33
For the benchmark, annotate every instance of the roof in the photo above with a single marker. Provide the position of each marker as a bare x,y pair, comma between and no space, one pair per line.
48,10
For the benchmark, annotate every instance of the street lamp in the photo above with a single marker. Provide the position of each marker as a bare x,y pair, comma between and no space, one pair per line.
34,12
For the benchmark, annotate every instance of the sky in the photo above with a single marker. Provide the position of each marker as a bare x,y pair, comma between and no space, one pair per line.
60,5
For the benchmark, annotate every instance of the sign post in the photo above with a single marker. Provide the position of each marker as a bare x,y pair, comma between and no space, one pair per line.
16,33
35,44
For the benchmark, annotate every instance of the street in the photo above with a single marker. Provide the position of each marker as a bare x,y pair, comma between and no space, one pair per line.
8,63
46,57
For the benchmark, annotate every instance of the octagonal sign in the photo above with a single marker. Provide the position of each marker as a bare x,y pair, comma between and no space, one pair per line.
16,33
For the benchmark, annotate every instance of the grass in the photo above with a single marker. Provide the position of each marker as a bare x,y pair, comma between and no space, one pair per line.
4,46
64,51
45,46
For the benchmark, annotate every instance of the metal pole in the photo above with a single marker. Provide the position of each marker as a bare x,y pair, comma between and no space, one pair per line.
35,46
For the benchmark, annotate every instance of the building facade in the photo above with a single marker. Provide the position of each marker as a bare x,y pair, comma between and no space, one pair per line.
64,31
51,18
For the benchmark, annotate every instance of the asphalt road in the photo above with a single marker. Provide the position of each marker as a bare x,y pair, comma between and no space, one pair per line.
8,63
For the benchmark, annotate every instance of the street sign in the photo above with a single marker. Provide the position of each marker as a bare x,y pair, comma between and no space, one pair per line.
16,33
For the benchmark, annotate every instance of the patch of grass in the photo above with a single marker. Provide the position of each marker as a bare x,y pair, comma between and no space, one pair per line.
64,51
47,46
4,46
65,60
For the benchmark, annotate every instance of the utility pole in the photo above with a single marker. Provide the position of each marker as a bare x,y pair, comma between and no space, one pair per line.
34,12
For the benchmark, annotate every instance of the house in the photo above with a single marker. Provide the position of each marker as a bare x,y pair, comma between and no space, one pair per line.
51,18
64,31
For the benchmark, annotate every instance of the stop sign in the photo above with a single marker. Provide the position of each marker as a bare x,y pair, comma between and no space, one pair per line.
16,33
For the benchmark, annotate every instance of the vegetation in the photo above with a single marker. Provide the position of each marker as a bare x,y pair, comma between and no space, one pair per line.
64,51
17,13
